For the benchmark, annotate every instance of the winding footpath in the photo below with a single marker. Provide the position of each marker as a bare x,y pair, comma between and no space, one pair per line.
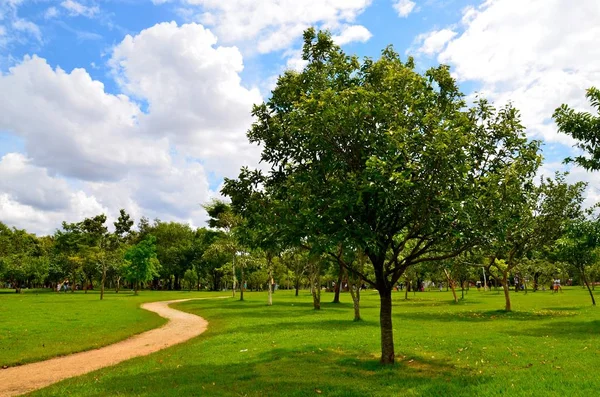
180,328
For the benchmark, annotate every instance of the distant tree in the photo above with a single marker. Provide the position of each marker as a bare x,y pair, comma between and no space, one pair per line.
142,263
579,247
190,278
222,217
174,249
535,219
585,128
21,258
123,226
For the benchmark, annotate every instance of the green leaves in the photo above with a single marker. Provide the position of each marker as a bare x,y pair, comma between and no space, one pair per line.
377,157
585,128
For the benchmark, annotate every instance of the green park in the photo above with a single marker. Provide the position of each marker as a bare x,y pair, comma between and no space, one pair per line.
398,238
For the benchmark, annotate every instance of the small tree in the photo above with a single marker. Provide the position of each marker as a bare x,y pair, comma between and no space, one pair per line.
579,248
142,263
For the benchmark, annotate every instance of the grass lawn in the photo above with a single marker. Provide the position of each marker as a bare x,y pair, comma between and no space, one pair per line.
550,346
40,324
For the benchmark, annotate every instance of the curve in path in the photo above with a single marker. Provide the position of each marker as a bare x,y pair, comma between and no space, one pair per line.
181,327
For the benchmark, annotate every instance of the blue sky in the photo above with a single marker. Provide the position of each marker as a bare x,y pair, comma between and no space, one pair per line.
144,105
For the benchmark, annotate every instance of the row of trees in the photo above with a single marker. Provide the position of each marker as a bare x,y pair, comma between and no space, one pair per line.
385,170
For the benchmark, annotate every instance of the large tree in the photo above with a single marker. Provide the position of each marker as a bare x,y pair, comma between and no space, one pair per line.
585,128
374,156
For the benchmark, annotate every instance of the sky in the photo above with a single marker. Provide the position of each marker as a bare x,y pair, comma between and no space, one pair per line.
144,105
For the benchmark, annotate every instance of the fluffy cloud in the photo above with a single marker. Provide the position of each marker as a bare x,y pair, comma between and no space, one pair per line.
273,25
538,53
76,129
353,33
433,42
89,151
404,7
31,198
193,90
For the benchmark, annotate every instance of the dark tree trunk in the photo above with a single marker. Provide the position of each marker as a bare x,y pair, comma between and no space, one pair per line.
242,283
588,286
297,286
506,291
338,285
387,332
102,282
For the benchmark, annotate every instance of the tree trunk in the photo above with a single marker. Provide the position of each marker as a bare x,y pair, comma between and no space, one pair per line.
102,282
451,284
338,285
588,286
269,283
506,291
406,288
242,283
233,276
297,286
316,291
387,332
355,299
118,285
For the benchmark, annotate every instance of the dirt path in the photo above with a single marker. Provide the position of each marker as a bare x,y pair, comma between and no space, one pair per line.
181,327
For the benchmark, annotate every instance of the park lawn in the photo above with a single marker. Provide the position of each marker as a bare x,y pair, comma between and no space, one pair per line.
550,346
40,324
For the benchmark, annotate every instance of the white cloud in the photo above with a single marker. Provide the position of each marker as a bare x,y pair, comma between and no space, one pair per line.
404,7
77,130
538,53
51,12
23,25
353,33
75,8
433,42
31,185
88,151
193,90
30,198
273,25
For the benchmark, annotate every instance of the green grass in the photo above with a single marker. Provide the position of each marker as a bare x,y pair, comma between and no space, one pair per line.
550,346
40,324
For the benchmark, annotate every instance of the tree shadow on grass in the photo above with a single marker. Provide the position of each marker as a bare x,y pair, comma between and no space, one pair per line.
563,329
482,316
279,372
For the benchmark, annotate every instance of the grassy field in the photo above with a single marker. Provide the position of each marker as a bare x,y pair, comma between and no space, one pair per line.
38,324
550,346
